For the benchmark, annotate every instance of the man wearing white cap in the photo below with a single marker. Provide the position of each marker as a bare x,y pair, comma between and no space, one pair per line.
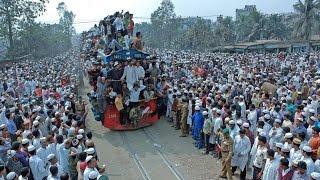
271,166
43,151
253,118
217,123
91,167
36,165
12,176
275,133
198,121
207,128
234,129
315,176
307,152
241,151
53,161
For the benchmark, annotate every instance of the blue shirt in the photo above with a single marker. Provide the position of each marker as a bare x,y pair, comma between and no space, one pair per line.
12,128
198,120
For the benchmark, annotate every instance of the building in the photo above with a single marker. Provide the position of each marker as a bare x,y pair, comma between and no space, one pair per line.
245,11
272,46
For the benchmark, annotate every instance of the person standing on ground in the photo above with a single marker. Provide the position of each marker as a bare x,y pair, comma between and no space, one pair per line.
184,116
241,153
226,152
207,128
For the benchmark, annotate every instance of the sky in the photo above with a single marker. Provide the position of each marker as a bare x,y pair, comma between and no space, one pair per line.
89,12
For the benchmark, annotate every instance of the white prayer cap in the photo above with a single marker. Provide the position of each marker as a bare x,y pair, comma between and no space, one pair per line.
277,121
262,133
24,141
285,148
204,113
231,122
50,157
267,116
88,158
38,118
31,148
56,114
35,123
79,136
246,125
265,111
53,119
11,176
197,108
312,111
288,135
11,153
90,151
315,175
93,175
307,149
43,139
80,131
2,126
313,118
279,145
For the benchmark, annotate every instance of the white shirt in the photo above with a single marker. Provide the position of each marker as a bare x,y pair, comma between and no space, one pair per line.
270,169
87,172
260,156
118,23
37,167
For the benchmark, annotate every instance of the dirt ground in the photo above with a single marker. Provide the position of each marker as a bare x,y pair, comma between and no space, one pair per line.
179,151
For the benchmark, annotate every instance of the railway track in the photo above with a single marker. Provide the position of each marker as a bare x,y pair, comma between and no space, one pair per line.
144,168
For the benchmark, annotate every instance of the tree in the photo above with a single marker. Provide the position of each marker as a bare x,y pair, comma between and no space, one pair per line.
162,22
13,13
224,30
306,17
66,20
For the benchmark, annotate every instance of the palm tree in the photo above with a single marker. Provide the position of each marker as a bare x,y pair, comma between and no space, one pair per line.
307,12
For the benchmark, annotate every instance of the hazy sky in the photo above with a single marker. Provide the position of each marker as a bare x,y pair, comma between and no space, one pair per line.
94,10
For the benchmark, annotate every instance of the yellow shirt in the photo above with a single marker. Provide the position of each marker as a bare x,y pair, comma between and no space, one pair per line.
118,103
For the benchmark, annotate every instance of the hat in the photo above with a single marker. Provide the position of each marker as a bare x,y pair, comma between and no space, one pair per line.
90,151
205,113
11,176
197,108
50,157
31,148
277,121
288,135
267,116
279,145
231,122
285,148
38,118
93,175
43,139
88,158
296,141
79,136
307,149
75,142
239,122
2,126
24,141
245,125
80,131
315,175
11,153
35,123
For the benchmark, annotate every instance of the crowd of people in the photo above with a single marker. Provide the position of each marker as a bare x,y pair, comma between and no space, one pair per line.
259,113
43,131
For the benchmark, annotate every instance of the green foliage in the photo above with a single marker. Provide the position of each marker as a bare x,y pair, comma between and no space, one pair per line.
13,13
308,13
167,30
25,36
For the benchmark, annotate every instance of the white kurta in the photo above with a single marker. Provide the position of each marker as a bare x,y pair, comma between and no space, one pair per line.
241,152
37,167
217,122
43,154
189,120
131,75
270,169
